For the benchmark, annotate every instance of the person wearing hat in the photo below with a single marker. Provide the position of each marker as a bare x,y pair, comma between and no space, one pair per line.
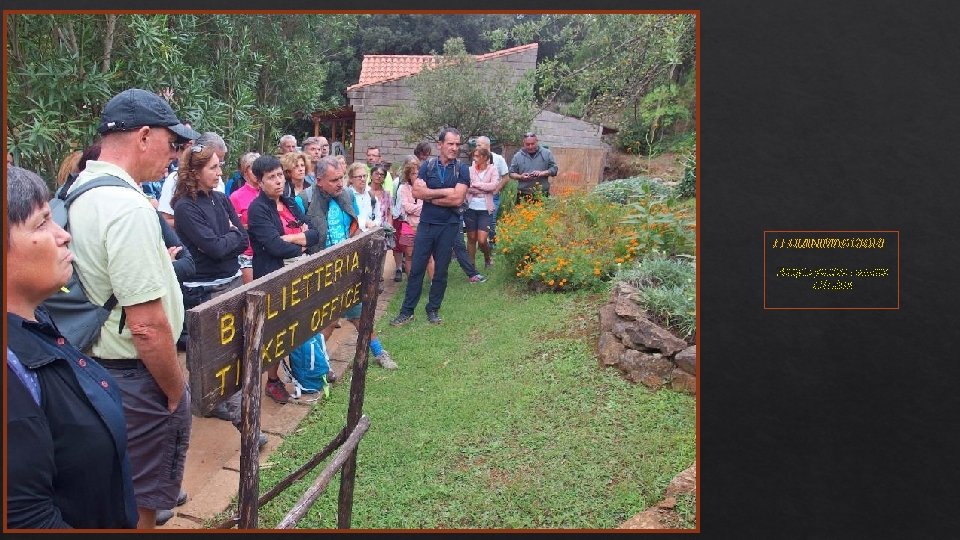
118,250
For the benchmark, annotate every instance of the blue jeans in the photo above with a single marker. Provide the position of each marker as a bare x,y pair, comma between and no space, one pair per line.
436,240
460,251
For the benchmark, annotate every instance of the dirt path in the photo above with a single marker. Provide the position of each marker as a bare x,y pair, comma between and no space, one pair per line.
212,469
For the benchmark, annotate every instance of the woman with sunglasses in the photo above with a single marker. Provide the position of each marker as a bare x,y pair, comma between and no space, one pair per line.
295,165
208,225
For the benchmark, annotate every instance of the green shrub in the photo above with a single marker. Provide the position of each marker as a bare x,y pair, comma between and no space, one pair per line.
667,289
688,185
624,190
667,224
579,240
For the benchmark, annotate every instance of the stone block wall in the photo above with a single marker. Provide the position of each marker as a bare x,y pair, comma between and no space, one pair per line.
642,350
367,100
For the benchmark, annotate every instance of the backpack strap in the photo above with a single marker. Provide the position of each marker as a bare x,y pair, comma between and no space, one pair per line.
105,180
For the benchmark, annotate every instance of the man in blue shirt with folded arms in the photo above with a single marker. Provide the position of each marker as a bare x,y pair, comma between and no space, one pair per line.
442,185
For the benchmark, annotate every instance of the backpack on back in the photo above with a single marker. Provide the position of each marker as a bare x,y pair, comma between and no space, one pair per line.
77,318
309,366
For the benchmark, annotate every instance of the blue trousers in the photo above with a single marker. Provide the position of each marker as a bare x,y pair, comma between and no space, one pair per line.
460,252
431,240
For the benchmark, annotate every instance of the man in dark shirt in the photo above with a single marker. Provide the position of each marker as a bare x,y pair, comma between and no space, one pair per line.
442,185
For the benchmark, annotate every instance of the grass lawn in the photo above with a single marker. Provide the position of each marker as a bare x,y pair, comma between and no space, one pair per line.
498,418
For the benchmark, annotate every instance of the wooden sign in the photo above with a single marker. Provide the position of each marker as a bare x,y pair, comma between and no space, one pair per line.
300,300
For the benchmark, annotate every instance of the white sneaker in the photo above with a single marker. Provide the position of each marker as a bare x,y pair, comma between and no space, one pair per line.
385,361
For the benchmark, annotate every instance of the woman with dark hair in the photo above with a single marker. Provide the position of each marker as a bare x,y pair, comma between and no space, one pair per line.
208,225
278,233
67,461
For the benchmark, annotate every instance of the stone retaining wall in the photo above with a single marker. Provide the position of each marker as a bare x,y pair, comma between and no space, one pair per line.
641,349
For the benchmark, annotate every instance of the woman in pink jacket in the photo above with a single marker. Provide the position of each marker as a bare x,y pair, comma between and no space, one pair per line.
484,182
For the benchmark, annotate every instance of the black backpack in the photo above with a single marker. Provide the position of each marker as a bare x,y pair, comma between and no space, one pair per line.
76,317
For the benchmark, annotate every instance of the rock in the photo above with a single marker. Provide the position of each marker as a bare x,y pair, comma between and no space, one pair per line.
651,370
647,335
681,381
622,288
608,317
685,482
648,519
610,349
620,328
668,503
687,360
628,309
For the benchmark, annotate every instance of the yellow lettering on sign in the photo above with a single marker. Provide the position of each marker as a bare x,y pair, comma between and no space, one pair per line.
315,319
270,314
337,269
328,278
221,375
227,328
294,290
356,261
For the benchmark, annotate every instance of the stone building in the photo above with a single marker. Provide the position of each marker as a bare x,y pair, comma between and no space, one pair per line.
384,82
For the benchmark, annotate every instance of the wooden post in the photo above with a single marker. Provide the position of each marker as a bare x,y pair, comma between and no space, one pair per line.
373,270
250,410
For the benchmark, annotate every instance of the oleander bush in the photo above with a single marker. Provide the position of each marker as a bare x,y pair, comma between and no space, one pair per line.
578,240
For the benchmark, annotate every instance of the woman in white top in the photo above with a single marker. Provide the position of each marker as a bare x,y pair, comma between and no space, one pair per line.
369,214
484,182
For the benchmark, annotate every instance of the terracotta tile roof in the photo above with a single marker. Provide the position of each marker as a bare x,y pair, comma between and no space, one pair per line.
378,68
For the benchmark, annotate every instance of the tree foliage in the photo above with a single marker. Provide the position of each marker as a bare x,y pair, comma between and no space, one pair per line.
600,67
243,76
476,98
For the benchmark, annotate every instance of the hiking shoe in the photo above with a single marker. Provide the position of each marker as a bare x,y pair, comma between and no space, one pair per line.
261,440
479,278
182,498
226,410
164,516
398,275
385,361
488,262
434,317
401,319
277,391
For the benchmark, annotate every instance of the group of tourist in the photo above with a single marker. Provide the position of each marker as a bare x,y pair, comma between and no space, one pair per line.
97,438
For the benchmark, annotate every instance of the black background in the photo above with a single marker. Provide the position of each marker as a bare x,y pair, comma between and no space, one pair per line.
815,115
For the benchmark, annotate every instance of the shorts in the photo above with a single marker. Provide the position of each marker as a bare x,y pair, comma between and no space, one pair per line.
476,220
353,313
407,234
398,228
246,261
157,439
